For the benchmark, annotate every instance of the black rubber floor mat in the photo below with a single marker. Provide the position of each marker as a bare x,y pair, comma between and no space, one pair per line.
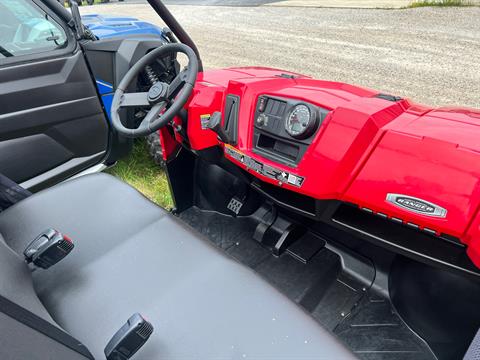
224,231
338,302
374,331
297,280
366,323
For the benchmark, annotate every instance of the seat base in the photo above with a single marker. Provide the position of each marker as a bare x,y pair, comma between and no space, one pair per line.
132,256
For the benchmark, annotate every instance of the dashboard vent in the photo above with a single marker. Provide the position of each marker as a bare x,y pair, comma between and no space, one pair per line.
230,113
389,97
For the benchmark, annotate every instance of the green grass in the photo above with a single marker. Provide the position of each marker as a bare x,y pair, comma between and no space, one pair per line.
139,170
444,3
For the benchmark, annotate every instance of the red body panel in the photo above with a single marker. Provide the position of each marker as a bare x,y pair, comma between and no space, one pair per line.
366,148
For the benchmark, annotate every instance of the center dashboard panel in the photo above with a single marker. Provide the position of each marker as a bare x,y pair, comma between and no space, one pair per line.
284,128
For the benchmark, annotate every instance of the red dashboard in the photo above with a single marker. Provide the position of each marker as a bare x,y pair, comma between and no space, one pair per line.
406,162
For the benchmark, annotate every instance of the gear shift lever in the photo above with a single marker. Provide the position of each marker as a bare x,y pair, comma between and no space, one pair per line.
215,124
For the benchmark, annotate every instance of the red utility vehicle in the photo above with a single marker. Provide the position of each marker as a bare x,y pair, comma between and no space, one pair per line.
344,222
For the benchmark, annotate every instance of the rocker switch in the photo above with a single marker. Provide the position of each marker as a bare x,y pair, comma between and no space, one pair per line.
262,103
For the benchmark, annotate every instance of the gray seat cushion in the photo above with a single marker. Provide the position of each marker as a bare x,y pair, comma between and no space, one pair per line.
132,256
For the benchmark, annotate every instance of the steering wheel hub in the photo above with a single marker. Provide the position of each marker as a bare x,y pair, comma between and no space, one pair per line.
158,92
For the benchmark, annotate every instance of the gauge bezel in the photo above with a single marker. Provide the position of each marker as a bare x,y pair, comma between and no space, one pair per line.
311,126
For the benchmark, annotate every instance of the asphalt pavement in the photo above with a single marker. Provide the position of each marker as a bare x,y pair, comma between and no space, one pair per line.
430,55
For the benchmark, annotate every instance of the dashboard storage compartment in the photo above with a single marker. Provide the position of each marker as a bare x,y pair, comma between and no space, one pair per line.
283,149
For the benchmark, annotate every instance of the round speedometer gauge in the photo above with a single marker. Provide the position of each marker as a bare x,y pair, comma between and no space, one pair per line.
300,122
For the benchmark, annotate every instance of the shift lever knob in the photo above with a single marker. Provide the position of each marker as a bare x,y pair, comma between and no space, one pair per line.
215,124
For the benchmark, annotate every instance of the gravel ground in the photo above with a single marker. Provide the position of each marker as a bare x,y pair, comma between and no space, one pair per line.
430,55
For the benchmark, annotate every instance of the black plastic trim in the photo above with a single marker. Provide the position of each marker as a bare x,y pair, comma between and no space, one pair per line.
62,172
285,198
389,97
230,122
405,240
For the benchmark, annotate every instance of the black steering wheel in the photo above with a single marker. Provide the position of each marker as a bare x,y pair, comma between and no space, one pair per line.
161,96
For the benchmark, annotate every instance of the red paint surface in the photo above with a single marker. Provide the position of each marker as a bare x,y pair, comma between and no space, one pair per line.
367,147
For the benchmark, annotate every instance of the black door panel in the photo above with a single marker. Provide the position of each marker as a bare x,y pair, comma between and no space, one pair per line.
50,114
24,151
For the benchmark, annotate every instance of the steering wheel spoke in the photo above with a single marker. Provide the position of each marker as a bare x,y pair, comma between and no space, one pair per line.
177,84
154,113
134,99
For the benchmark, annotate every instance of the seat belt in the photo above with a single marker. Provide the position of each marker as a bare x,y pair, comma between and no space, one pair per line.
44,251
10,192
35,322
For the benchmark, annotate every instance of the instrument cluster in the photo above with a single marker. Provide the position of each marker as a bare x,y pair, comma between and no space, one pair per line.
283,128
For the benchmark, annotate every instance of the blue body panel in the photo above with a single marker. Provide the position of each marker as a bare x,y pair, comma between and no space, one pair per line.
106,94
104,87
105,27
